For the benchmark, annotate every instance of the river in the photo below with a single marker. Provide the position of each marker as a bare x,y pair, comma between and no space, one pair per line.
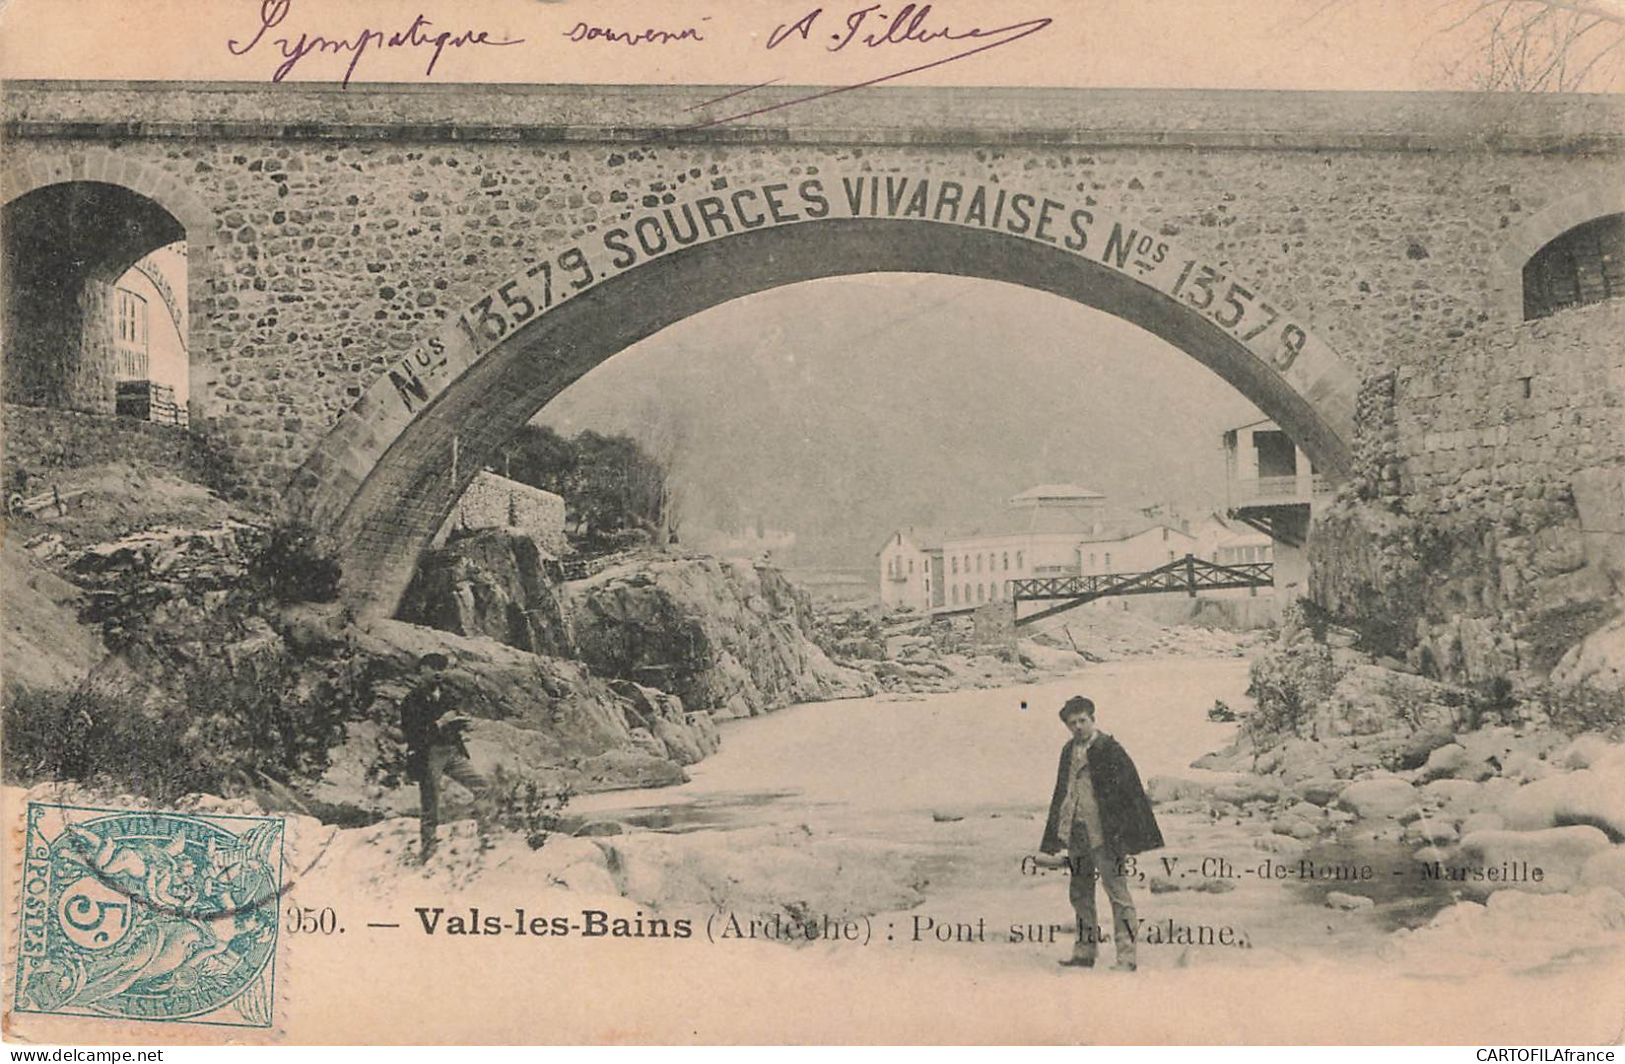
887,758
898,828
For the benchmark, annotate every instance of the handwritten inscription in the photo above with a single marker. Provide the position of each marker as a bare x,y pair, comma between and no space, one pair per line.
608,34
874,28
1078,229
418,34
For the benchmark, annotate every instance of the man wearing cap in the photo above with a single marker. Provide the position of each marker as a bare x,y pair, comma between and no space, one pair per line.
434,745
1099,815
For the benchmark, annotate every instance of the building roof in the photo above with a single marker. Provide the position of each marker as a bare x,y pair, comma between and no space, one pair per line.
1119,533
925,539
1061,493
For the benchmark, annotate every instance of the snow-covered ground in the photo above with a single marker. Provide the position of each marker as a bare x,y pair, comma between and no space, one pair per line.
895,827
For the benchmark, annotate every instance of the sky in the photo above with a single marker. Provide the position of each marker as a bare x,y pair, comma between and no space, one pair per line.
1267,44
842,408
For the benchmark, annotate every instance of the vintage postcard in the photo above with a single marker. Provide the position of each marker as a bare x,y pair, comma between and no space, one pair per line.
1071,521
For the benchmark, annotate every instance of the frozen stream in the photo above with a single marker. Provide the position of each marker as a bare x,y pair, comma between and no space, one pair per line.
876,759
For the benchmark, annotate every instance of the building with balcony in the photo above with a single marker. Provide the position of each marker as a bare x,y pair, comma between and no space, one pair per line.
1271,485
911,569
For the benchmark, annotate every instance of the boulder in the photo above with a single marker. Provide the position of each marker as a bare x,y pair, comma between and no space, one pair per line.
1430,831
1244,789
1458,797
1446,760
1597,661
1488,746
1165,789
1586,751
1319,790
726,636
1605,869
1384,796
1482,822
1560,853
1589,796
495,584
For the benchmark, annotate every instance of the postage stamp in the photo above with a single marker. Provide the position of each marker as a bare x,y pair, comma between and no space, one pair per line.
143,915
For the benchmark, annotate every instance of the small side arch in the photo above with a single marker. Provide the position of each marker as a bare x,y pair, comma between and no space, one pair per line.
1539,229
30,171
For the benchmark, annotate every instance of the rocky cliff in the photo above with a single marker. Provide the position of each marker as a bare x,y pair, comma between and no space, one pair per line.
493,584
201,681
726,636
1499,594
1480,536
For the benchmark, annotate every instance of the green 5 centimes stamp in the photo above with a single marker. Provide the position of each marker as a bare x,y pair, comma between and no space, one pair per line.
141,915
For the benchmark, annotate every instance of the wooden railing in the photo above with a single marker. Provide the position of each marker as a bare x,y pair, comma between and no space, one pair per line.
1189,574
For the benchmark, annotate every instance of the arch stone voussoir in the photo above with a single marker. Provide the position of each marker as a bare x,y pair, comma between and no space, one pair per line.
382,480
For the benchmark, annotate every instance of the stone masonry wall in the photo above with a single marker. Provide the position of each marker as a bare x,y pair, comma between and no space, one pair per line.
1493,540
494,501
1379,223
40,439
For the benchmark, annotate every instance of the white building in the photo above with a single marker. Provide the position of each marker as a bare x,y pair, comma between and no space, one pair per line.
906,564
1131,550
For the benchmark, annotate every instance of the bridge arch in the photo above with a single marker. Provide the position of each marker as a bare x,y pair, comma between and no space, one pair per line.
382,480
155,207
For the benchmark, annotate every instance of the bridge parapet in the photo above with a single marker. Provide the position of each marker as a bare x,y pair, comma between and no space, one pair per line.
893,115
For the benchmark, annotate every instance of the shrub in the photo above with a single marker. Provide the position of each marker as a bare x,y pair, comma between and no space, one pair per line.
1581,708
1286,687
217,727
293,566
522,807
101,734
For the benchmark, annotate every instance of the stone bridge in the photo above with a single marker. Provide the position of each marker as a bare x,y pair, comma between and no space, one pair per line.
382,276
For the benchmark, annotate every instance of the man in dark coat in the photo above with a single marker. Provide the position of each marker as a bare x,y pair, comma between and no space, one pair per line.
434,747
1099,815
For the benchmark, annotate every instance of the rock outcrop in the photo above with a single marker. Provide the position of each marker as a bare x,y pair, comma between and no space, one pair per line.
1487,594
536,718
726,636
493,584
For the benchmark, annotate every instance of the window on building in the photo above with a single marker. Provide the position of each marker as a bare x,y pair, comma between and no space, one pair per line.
911,567
1584,265
1170,555
978,563
954,564
1108,561
1165,535
1020,561
130,327
955,594
1007,561
980,593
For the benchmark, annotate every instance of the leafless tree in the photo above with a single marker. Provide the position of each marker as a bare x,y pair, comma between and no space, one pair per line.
1524,45
1542,45
666,434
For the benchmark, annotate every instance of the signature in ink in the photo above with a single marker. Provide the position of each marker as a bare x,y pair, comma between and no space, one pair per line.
419,34
583,32
873,27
